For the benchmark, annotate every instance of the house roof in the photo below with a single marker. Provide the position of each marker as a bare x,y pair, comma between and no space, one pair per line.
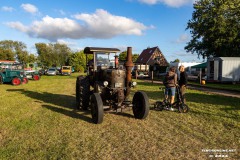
146,55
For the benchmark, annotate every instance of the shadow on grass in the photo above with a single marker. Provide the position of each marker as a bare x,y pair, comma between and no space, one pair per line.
203,99
72,114
63,102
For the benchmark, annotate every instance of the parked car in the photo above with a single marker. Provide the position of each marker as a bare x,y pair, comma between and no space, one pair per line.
52,71
66,70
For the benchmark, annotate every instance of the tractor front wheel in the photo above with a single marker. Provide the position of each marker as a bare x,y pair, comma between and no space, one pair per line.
16,81
140,105
96,108
36,77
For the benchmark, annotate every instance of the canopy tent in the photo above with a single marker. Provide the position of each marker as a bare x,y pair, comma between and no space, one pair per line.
202,65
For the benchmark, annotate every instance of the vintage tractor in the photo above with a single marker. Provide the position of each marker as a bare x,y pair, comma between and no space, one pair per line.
107,85
14,74
32,74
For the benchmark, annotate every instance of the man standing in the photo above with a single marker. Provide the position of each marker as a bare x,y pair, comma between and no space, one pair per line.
183,82
170,82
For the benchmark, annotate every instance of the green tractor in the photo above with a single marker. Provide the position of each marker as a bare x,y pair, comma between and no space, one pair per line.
12,73
108,84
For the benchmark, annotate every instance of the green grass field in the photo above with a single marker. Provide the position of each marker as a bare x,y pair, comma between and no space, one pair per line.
39,121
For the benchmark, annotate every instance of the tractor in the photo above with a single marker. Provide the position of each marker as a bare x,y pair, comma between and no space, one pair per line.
107,85
12,73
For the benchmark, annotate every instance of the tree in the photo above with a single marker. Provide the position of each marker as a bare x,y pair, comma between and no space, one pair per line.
45,54
61,53
6,54
215,28
78,60
123,56
135,57
10,50
53,54
176,60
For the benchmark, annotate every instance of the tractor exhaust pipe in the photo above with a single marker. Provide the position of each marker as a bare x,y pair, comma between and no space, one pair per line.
128,65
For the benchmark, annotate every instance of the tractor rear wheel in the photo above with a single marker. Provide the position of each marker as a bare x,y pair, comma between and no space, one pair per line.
96,108
25,80
140,105
1,80
16,81
82,92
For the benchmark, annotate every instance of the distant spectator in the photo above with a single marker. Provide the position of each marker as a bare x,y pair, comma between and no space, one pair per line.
183,82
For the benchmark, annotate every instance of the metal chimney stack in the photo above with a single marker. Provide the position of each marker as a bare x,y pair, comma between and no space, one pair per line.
128,66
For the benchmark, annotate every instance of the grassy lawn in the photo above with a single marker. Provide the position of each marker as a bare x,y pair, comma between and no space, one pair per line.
38,121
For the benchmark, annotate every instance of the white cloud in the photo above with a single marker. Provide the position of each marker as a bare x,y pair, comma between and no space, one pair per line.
7,9
105,25
30,8
183,38
101,24
17,25
171,3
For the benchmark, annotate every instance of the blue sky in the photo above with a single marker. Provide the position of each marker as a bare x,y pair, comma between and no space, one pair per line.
100,23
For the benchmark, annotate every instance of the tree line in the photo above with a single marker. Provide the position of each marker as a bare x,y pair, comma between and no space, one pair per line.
214,27
48,55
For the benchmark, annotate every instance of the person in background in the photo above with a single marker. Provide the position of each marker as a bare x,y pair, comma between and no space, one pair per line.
170,83
183,82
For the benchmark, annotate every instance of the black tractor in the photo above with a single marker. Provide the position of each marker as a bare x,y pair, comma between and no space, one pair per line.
107,85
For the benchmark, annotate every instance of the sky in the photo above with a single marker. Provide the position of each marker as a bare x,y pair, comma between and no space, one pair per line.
101,23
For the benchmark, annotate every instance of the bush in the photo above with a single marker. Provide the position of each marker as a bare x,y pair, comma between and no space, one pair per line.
79,68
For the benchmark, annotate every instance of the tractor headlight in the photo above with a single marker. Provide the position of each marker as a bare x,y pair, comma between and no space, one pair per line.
134,84
105,83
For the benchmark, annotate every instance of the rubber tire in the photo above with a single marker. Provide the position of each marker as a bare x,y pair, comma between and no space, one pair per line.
140,105
25,80
36,77
1,80
82,92
16,81
183,108
96,108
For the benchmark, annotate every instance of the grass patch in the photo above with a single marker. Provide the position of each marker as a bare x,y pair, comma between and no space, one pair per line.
39,121
229,86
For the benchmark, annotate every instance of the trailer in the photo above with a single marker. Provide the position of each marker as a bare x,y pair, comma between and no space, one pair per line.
141,71
223,69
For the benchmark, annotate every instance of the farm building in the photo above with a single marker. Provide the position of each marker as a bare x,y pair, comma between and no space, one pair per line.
223,69
153,58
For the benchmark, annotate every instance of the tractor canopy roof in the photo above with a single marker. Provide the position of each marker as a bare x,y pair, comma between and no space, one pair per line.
91,50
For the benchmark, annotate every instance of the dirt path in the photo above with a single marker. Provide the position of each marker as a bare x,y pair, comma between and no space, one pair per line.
210,90
216,91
